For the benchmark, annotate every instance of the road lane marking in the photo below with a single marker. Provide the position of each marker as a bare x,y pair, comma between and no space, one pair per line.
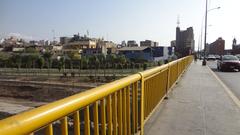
226,88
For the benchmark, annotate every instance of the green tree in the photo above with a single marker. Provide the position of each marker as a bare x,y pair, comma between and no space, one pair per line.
111,59
48,58
102,62
4,58
40,62
61,63
30,50
84,62
94,63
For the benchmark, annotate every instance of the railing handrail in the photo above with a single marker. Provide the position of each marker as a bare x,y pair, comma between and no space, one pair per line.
50,112
41,116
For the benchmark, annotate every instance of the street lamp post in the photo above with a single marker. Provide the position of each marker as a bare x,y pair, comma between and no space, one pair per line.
205,33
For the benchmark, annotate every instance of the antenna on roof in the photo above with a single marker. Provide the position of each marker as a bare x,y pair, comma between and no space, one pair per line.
178,21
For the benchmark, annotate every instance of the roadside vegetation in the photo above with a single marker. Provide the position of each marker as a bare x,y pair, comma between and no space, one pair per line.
72,64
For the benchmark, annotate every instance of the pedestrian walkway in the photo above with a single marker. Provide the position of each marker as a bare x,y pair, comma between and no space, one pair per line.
197,105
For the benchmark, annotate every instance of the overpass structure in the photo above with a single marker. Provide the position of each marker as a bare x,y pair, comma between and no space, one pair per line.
121,107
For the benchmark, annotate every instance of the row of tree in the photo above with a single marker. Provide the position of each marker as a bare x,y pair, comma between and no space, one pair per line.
67,61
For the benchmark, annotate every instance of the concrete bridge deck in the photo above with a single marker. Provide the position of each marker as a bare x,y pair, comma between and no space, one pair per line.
200,104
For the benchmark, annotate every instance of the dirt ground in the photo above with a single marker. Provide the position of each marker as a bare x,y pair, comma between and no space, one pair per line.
18,94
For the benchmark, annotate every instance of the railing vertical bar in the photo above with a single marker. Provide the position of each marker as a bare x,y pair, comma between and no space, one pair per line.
146,98
154,94
149,97
128,111
103,117
64,126
168,78
86,121
134,107
95,118
48,130
114,99
142,104
76,121
124,112
120,112
109,116
148,92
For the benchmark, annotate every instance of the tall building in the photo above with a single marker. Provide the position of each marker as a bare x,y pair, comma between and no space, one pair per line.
184,42
217,47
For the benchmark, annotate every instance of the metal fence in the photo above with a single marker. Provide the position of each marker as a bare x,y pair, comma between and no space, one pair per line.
119,108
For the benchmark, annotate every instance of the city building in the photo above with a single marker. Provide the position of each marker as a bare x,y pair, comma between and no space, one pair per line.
132,43
140,53
217,47
184,42
162,53
64,40
77,44
147,53
235,47
148,43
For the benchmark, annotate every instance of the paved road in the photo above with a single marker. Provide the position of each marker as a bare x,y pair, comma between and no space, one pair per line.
231,78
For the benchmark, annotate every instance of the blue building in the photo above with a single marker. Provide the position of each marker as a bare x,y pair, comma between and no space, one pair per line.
147,53
141,53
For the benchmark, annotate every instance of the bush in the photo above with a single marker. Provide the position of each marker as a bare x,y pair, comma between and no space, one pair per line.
144,66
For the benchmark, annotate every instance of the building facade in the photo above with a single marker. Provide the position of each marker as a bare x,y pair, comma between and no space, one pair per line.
235,47
147,53
217,47
148,43
184,42
132,43
140,53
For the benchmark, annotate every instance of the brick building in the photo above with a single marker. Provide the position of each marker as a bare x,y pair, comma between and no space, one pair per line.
217,47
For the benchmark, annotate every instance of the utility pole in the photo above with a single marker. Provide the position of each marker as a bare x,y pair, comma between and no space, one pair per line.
205,35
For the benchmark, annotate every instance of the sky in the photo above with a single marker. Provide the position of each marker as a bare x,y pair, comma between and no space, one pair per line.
119,20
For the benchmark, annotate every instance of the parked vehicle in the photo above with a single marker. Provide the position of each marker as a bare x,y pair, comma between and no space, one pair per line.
211,57
238,56
217,57
228,62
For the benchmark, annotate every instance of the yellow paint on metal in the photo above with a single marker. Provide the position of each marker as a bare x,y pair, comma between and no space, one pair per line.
76,122
95,118
120,127
64,126
124,111
49,130
135,106
114,99
103,117
109,116
128,113
86,121
142,105
42,116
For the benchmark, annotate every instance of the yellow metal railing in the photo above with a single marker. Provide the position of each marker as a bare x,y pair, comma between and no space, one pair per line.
119,108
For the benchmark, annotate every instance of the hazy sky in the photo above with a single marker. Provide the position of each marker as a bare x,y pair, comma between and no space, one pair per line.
118,20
